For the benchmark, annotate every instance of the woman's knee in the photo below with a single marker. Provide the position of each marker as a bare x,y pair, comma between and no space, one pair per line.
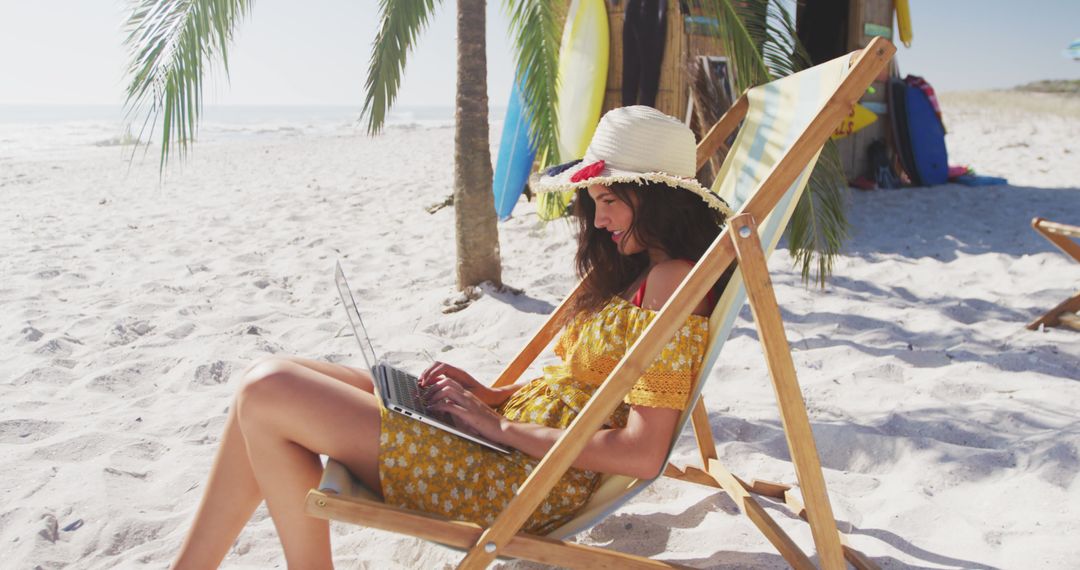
265,388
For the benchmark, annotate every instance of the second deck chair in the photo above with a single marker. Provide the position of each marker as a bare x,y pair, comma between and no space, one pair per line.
1061,235
763,177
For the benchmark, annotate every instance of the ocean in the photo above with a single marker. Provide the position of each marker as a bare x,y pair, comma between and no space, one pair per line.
37,130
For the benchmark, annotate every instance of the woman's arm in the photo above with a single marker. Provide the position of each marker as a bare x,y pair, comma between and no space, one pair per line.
637,450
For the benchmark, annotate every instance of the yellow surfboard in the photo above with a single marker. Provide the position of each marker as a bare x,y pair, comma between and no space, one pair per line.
856,121
581,83
582,78
903,21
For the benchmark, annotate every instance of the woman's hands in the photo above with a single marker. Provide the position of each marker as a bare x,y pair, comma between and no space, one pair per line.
441,370
450,390
469,412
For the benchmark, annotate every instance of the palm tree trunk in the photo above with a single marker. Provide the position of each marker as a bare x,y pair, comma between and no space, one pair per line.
475,222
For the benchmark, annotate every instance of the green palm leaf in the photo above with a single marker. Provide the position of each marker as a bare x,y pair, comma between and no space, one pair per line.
400,23
170,42
760,38
534,27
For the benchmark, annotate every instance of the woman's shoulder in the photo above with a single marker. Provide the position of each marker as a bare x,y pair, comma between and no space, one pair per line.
663,279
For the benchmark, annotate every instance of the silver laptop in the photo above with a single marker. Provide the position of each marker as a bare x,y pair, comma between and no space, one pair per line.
398,390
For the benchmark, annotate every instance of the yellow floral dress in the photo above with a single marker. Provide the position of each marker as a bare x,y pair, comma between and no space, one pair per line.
426,469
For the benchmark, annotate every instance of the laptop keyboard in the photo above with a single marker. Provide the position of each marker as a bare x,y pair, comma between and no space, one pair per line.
408,392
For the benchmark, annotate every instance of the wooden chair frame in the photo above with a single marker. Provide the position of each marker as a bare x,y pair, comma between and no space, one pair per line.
738,240
1062,236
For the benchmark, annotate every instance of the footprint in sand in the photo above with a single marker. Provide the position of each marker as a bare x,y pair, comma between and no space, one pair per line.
251,329
76,449
181,331
251,257
48,376
138,453
58,347
113,383
27,430
127,330
47,274
30,334
127,534
216,372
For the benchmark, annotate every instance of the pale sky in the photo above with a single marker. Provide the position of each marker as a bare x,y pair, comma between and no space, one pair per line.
316,52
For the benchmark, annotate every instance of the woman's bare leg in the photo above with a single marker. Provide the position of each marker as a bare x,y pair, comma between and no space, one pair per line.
232,493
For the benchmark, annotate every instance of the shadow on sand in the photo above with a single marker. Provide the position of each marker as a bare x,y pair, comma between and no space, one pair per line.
971,216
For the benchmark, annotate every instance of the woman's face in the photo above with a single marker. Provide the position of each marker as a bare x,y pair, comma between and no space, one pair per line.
615,216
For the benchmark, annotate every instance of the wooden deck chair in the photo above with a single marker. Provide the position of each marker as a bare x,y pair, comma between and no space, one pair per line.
786,124
1061,235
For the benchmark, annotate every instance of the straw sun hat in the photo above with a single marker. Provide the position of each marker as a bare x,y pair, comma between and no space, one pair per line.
634,144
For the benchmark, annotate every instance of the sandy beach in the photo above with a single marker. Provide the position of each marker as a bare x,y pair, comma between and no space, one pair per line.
949,434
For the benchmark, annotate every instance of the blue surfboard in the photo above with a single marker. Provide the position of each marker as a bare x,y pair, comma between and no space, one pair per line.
516,155
927,139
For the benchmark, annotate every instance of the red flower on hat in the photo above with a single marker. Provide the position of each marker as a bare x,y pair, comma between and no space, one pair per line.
588,171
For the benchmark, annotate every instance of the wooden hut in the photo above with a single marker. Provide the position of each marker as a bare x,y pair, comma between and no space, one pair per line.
831,28
685,40
828,28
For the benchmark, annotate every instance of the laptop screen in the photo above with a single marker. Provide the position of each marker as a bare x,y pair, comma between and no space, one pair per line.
354,318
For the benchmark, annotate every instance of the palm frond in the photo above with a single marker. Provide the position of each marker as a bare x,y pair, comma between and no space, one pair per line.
534,28
760,38
171,43
400,22
819,225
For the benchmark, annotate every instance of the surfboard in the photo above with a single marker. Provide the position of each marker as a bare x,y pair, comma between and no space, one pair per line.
582,81
582,76
903,21
926,136
516,155
858,119
897,91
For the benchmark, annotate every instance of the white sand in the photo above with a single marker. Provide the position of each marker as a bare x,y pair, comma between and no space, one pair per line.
948,432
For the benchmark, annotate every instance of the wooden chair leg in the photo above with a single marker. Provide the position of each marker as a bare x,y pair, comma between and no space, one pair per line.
703,432
793,414
717,472
1061,235
1058,314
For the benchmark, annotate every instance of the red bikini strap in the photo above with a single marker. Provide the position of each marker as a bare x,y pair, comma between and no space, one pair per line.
639,297
708,296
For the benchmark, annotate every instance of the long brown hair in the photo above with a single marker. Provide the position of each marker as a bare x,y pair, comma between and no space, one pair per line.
674,220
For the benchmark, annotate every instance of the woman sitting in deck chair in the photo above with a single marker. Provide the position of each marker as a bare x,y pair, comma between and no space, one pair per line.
644,221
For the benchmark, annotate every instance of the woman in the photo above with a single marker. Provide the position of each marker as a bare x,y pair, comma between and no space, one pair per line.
643,221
